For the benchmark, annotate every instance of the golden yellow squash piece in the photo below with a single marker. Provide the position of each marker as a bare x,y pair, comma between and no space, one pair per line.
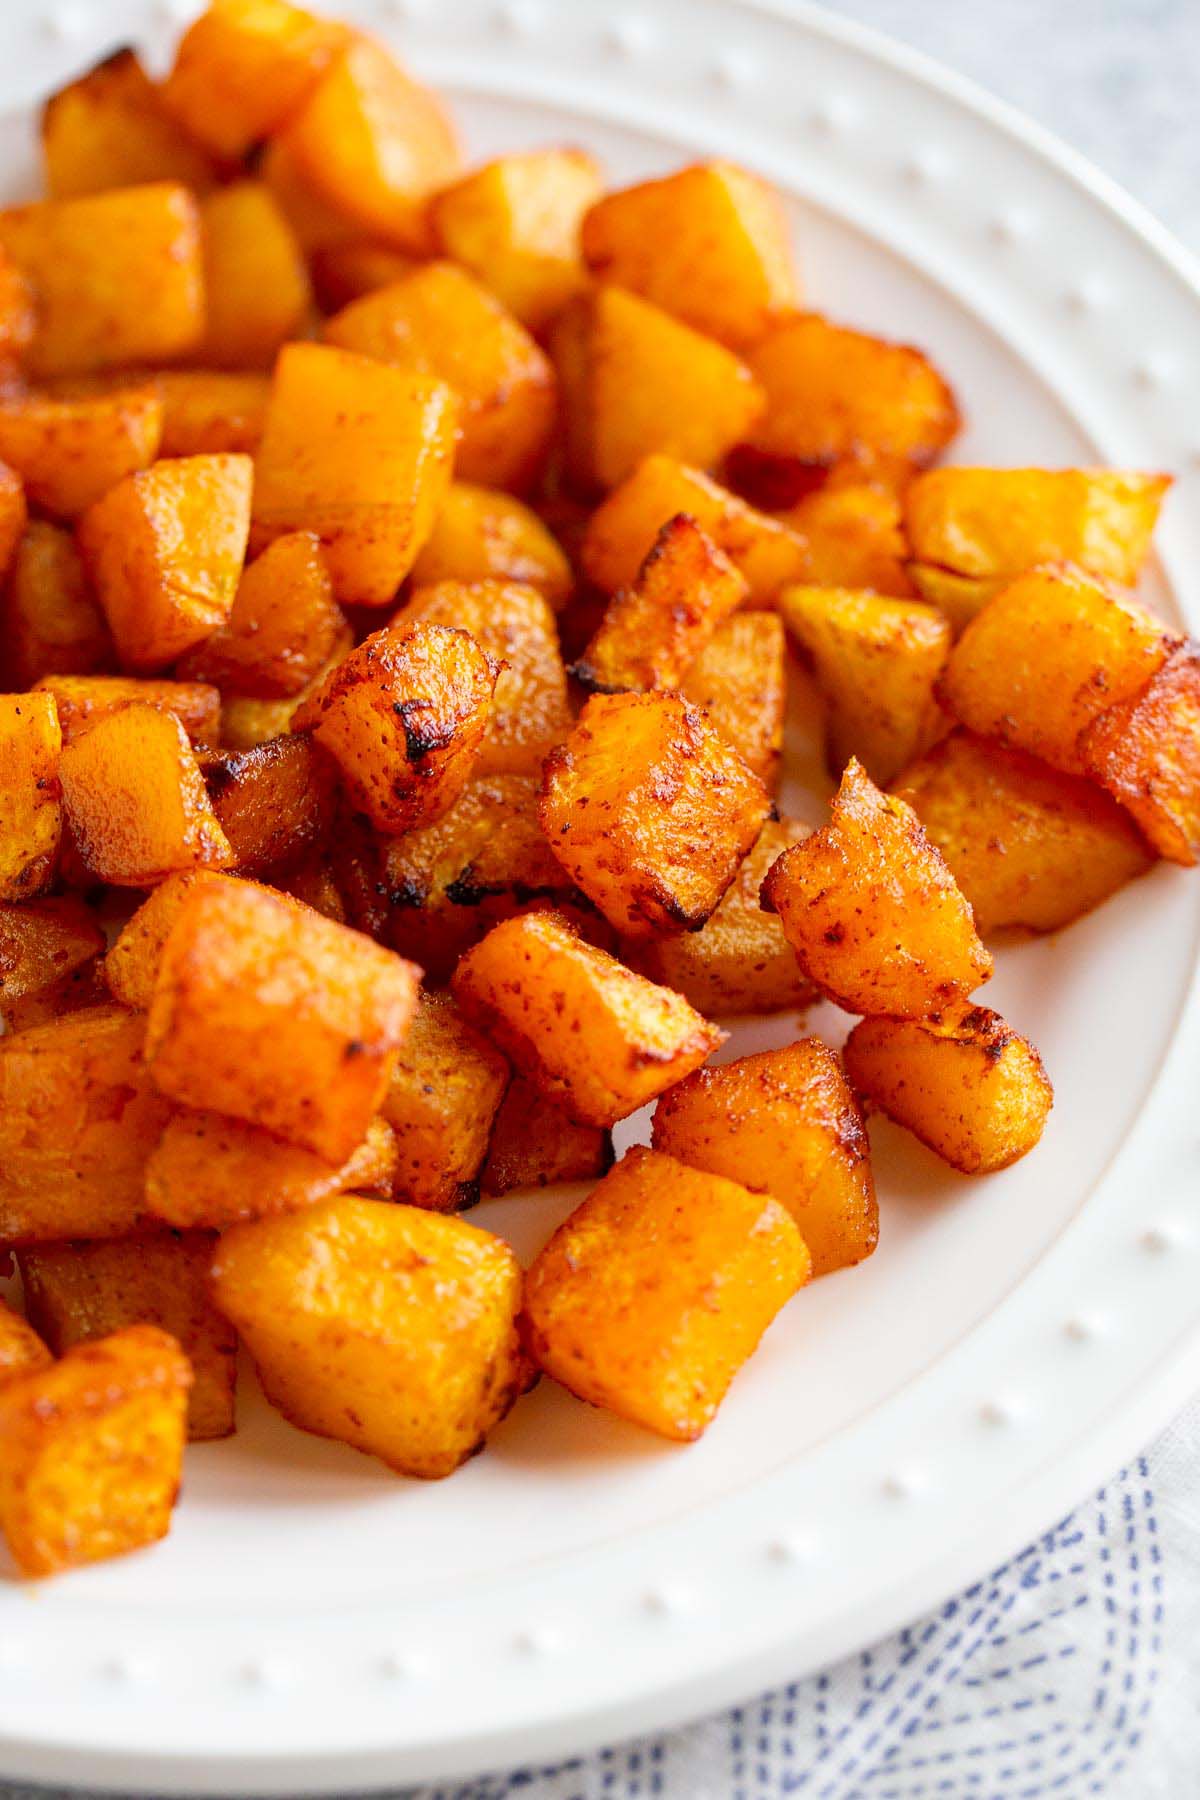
440,1103
49,618
21,1349
387,1327
256,284
1145,749
965,1083
69,451
855,538
872,911
109,128
482,535
210,411
535,1144
91,1450
596,1038
655,1291
740,680
30,806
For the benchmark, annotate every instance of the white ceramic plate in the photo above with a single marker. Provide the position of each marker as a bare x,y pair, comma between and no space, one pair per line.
314,1623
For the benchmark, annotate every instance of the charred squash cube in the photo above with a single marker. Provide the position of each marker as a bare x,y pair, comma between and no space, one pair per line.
964,1082
1145,749
740,680
275,803
593,1036
655,1291
70,450
109,128
403,717
440,1103
535,1144
83,700
50,620
650,810
257,292
265,1010
482,535
872,911
30,805
349,1304
282,628
785,1122
92,1449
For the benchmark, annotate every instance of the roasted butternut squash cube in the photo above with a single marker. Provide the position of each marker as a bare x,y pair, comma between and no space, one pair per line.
51,623
268,1012
282,628
786,1122
109,128
535,1144
274,803
740,680
208,411
839,396
246,722
118,277
635,381
513,624
165,549
78,1119
1028,845
82,700
349,1304
211,1171
131,966
984,527
739,961
1046,656
441,321
373,144
622,530
135,801
709,244
360,453
255,278
960,597
76,1293
653,631
964,1082
21,1349
593,1036
31,817
651,1296
403,717
92,1451
442,1099
855,538
515,224
482,535
650,810
877,663
1145,749
872,911
70,451
244,66
43,941
345,271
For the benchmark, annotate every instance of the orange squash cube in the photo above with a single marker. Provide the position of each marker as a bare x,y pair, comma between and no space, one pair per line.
31,815
708,244
650,810
135,801
76,1293
964,1082
441,321
403,717
69,452
118,277
855,538
165,549
131,966
21,1349
482,535
211,1172
109,128
255,278
622,530
740,680
535,1144
653,631
1145,749
208,411
348,1304
440,1103
83,699
275,803
360,453
1046,656
515,224
268,1012
872,911
91,1451
244,66
78,1120
593,1036
43,941
636,381
282,628
50,621
513,624
655,1291
1028,845
373,144
785,1122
